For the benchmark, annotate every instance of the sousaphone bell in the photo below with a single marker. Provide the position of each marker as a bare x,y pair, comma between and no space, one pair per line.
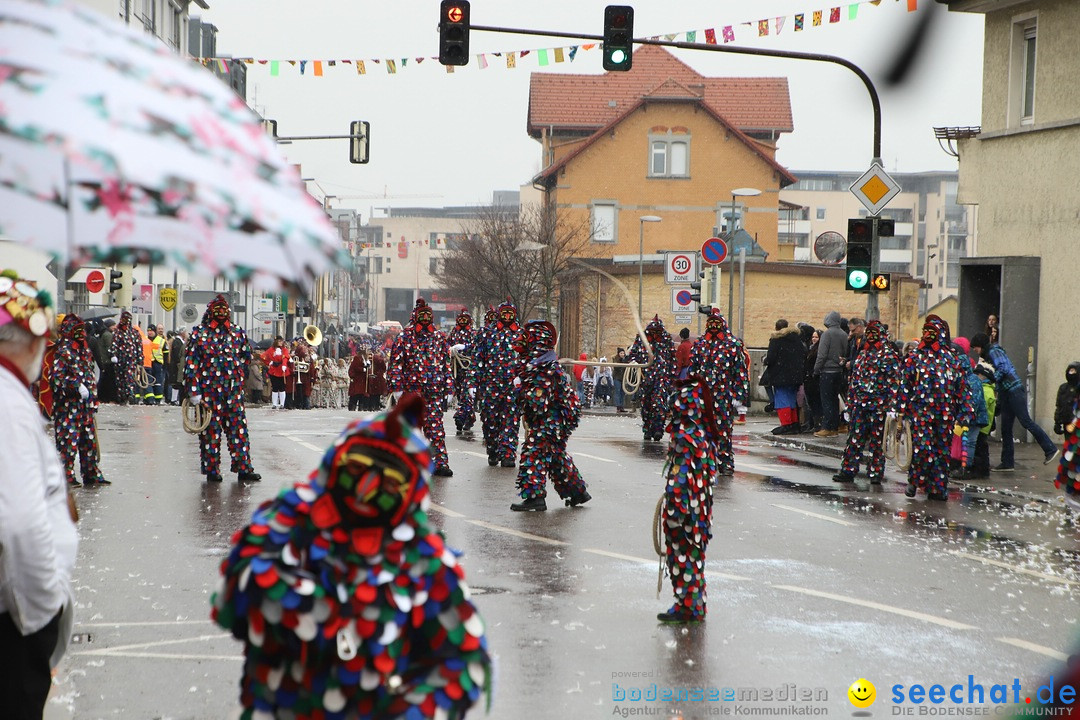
312,335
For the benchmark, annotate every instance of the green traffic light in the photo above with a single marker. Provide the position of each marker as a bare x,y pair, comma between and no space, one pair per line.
858,279
618,57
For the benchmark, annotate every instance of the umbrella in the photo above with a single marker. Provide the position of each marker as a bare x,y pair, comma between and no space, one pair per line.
114,149
96,313
264,344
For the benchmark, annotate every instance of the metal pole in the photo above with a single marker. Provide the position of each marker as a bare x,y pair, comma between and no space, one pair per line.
872,311
731,262
742,289
640,263
599,289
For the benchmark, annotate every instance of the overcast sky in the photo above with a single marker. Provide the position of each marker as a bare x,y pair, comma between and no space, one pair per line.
453,139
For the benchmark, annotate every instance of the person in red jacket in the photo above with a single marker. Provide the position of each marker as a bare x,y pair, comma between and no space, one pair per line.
277,365
682,353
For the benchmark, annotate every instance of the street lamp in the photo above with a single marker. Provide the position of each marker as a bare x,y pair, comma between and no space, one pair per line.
641,255
737,192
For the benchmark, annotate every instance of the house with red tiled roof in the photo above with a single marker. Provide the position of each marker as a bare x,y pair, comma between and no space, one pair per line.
660,140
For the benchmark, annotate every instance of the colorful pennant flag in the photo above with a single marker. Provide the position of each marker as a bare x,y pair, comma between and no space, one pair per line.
481,60
543,57
780,24
799,22
817,18
834,15
391,67
852,11
729,34
573,52
558,55
762,28
710,36
318,68
274,69
511,59
691,36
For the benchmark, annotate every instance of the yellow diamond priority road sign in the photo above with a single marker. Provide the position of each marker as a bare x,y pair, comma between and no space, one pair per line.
875,189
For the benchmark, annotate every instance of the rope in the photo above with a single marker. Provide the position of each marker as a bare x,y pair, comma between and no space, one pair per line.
898,442
196,417
658,542
142,379
459,362
631,378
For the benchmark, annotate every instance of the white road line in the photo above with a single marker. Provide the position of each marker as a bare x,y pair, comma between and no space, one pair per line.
593,457
952,624
617,556
470,452
165,656
516,533
156,643
1025,645
152,623
1014,568
759,468
819,516
445,511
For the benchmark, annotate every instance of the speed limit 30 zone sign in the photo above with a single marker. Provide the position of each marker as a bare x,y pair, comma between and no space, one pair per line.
680,268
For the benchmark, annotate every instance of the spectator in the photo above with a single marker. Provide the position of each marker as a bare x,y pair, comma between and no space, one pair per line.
604,383
811,385
785,364
682,353
1012,399
765,380
155,391
980,467
827,368
107,381
856,331
38,541
579,374
376,382
174,374
1066,398
992,328
617,375
358,381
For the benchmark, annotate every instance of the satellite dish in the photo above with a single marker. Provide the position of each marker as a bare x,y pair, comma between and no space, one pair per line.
189,314
830,248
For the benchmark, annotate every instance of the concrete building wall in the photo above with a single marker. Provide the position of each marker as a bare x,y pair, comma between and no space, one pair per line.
615,168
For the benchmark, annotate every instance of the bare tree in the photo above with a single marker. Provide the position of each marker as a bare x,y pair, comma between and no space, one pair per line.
522,256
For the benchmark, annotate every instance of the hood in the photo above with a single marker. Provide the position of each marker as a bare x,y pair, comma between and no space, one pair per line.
1072,374
216,312
832,319
789,330
537,341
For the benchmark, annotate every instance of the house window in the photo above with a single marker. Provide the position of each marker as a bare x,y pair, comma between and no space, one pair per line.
376,265
669,156
821,213
603,222
433,266
1022,71
1027,109
433,242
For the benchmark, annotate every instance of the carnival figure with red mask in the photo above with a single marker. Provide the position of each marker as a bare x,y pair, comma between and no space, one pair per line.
126,357
348,602
75,403
496,366
420,363
686,516
718,357
216,359
551,411
872,391
933,397
658,380
462,341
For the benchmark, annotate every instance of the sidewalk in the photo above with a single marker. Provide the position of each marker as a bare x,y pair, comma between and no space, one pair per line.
1030,481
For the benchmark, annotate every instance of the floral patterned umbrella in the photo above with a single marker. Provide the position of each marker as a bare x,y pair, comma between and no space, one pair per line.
112,149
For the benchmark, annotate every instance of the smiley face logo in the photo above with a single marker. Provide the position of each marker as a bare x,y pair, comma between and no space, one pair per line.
862,693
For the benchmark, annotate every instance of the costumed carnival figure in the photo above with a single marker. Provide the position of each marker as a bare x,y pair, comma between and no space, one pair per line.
495,365
349,604
550,410
719,358
1068,474
872,392
686,517
658,380
420,363
217,355
462,340
933,396
75,403
126,356
477,379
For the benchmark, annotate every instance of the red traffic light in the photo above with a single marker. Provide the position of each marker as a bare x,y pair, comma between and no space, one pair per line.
455,13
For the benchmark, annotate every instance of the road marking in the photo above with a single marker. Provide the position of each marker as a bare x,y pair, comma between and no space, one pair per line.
617,556
1014,568
156,643
516,533
594,457
952,624
819,516
166,656
759,468
470,452
152,623
445,511
1041,649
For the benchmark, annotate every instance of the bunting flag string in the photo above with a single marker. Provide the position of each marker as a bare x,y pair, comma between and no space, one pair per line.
547,56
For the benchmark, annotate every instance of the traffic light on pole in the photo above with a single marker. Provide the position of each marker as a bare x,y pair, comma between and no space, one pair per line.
702,292
860,254
114,277
618,37
454,32
359,134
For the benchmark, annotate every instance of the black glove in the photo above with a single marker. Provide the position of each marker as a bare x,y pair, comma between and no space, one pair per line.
1059,429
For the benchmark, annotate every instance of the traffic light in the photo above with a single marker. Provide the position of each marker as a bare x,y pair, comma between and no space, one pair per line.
860,254
881,282
120,282
703,292
115,275
886,227
359,133
618,37
454,32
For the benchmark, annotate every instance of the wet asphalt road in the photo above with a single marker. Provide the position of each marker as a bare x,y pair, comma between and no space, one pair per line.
809,583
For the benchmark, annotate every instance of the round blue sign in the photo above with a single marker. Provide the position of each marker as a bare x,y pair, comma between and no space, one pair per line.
683,297
713,251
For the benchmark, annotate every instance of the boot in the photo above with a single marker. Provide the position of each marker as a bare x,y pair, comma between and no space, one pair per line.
579,499
679,616
444,471
531,504
843,477
248,477
508,463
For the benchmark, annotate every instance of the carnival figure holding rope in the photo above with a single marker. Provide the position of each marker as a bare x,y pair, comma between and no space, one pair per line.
75,403
462,341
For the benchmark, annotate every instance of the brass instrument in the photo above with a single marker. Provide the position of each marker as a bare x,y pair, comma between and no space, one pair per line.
312,335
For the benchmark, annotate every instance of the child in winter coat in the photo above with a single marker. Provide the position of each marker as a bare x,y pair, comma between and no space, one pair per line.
980,466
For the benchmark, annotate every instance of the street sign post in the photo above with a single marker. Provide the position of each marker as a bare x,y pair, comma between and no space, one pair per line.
269,316
680,267
682,302
714,251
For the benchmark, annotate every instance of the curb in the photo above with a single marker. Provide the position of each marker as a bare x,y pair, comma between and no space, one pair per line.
834,452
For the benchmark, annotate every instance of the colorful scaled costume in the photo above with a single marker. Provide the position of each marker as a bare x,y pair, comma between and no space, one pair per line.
658,380
495,365
348,603
127,349
75,402
687,509
217,355
872,390
550,408
718,357
1068,474
420,363
462,341
933,397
